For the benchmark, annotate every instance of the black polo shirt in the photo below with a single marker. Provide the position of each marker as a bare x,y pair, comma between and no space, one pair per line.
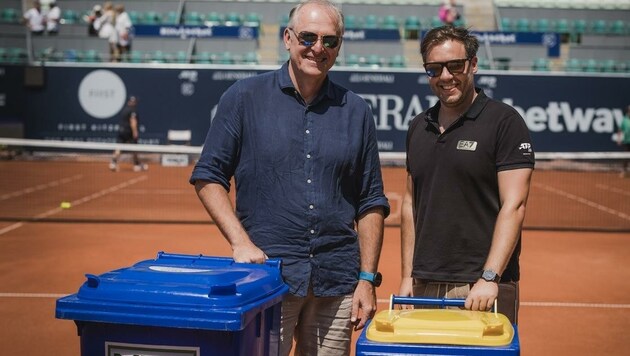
456,195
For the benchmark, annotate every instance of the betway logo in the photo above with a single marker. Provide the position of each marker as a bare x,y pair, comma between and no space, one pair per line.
561,117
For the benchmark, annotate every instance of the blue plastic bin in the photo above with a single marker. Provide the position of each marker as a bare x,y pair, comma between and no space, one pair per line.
367,347
179,305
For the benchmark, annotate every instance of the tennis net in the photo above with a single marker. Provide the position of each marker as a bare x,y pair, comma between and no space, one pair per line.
59,181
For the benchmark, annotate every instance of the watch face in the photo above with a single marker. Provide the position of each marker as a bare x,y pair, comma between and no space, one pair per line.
489,276
378,278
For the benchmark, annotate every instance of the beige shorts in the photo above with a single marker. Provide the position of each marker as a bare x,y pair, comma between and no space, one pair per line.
319,325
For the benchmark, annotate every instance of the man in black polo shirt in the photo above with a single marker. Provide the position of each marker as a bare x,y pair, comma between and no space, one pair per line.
469,163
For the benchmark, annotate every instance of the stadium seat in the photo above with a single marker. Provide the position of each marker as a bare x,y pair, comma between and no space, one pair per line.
155,57
483,63
181,57
90,56
502,63
9,15
214,19
390,22
572,65
506,24
203,58
561,26
193,18
151,18
599,27
373,61
250,58
170,18
523,24
397,61
252,19
541,65
284,20
370,22
411,27
136,56
134,16
224,58
618,27
541,25
232,19
590,65
435,22
608,65
352,60
71,55
351,22
69,16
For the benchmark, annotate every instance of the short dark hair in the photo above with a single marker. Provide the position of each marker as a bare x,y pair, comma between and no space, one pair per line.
442,34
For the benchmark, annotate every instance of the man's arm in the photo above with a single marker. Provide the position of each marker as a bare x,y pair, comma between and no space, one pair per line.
407,240
215,199
370,231
513,192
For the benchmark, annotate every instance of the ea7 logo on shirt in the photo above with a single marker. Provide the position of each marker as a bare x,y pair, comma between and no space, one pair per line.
527,147
464,145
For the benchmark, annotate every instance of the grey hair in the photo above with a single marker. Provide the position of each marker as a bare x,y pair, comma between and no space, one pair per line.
328,5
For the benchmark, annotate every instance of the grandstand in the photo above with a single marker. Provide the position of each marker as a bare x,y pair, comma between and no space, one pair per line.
593,35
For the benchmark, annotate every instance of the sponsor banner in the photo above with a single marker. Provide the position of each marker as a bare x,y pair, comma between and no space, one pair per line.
365,34
564,113
184,31
549,40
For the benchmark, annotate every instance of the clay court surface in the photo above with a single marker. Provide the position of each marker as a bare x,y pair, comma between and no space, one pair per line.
575,295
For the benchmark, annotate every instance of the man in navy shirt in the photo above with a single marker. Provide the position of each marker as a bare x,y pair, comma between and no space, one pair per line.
469,163
303,154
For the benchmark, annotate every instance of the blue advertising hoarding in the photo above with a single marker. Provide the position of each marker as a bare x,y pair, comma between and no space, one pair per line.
565,113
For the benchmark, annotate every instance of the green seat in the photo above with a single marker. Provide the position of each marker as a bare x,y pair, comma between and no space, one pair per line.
373,61
608,65
617,27
156,57
214,19
435,22
252,19
590,65
352,60
134,16
233,19
284,20
390,22
572,65
151,18
136,56
170,18
483,63
204,58
541,65
506,24
411,27
193,18
250,58
523,24
224,58
69,16
542,25
90,56
181,57
599,27
351,22
397,61
10,15
370,22
561,26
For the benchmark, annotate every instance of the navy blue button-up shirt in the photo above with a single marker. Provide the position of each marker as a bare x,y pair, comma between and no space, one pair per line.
303,175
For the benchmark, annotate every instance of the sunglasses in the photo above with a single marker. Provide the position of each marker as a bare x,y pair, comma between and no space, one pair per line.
308,39
455,66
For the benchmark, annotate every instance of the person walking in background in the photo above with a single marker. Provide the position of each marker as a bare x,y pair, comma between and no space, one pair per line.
128,133
34,19
303,153
469,164
92,20
123,29
53,16
623,139
448,13
106,30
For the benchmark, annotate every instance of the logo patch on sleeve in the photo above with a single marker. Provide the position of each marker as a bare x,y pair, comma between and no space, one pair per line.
464,145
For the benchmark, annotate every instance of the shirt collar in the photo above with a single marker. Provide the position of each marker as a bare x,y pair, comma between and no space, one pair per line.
472,113
286,85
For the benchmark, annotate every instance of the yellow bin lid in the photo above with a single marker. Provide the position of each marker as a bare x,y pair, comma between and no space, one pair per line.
441,326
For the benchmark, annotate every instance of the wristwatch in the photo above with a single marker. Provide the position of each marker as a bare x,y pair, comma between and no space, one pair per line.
490,276
374,278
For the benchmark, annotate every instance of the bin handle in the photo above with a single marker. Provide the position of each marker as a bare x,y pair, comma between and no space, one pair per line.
441,302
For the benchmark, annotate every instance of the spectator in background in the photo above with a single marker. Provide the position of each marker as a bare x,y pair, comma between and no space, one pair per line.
123,28
52,18
469,167
34,19
106,30
623,139
303,153
448,12
92,18
128,132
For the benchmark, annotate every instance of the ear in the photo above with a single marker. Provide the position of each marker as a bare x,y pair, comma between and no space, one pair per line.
473,64
286,37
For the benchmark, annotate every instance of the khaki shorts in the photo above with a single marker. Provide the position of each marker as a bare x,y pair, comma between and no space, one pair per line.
507,301
319,325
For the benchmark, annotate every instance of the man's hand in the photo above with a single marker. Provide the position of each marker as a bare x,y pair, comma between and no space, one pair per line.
248,253
363,304
482,295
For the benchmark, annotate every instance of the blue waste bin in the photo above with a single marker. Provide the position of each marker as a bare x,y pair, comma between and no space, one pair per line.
179,305
437,331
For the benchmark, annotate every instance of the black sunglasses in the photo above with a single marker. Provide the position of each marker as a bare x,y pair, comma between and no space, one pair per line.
309,39
455,66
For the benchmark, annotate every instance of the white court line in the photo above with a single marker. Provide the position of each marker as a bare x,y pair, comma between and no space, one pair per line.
77,202
584,201
39,187
613,189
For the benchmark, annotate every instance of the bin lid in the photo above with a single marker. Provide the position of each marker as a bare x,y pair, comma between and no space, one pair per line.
441,326
173,290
